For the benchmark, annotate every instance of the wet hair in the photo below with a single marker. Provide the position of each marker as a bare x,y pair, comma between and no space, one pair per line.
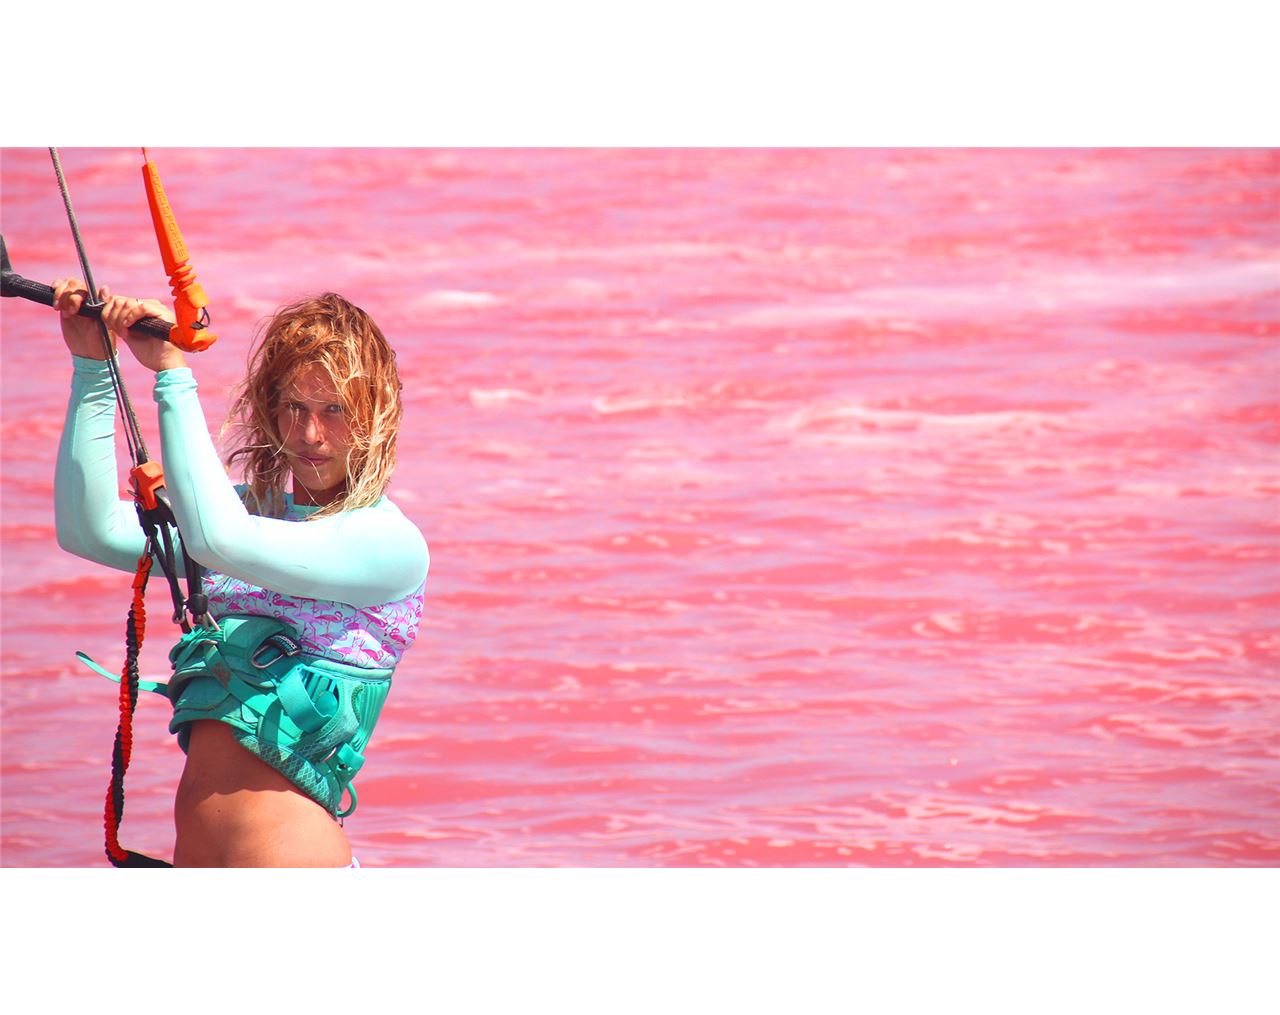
333,333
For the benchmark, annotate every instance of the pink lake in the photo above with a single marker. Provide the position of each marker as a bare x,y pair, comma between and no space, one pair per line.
786,507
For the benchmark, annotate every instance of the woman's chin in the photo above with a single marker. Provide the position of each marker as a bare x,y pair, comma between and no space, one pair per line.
311,492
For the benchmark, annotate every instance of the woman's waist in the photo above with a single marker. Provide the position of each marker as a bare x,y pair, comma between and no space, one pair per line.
231,805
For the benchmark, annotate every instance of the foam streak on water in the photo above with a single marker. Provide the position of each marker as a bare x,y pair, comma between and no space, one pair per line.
785,507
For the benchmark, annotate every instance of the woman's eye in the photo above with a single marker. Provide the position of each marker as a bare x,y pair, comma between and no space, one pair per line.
334,408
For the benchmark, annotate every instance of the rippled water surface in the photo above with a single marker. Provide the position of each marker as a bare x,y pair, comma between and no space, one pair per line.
785,507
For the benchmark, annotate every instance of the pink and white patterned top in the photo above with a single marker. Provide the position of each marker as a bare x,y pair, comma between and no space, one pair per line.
371,637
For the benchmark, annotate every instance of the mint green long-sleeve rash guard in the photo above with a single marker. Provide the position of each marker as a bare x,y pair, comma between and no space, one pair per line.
365,557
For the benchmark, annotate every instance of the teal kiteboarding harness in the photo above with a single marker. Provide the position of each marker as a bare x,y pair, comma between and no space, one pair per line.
308,717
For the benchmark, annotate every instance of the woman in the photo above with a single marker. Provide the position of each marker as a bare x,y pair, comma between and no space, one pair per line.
317,594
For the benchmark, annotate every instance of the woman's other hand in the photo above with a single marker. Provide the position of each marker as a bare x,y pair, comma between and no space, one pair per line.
82,334
122,312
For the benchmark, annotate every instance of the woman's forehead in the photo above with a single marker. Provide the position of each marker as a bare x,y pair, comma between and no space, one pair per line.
311,384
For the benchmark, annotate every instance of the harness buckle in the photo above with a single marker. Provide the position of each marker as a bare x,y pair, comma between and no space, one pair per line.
285,646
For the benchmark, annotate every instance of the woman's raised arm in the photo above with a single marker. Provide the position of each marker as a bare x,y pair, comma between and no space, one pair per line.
364,557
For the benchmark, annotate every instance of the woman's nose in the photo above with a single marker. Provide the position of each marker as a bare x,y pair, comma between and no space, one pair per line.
313,429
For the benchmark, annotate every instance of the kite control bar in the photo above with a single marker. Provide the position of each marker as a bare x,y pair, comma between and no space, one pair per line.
190,304
13,284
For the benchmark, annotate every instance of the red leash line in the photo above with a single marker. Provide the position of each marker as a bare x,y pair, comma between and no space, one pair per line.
123,750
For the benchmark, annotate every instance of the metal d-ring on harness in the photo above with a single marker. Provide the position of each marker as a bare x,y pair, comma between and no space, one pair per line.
156,517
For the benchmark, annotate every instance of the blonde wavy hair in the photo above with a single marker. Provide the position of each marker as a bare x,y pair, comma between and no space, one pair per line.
337,335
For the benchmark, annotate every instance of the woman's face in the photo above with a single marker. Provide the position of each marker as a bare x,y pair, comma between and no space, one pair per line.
316,436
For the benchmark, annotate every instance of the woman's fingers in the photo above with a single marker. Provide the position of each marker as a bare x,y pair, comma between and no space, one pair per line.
115,313
122,312
134,311
119,312
154,308
69,295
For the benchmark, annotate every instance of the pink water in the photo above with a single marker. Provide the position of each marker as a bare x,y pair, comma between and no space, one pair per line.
785,507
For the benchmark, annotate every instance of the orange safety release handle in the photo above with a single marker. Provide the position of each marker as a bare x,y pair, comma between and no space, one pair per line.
191,333
147,478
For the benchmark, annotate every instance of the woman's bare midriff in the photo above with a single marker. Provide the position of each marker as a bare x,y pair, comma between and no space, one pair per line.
235,810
